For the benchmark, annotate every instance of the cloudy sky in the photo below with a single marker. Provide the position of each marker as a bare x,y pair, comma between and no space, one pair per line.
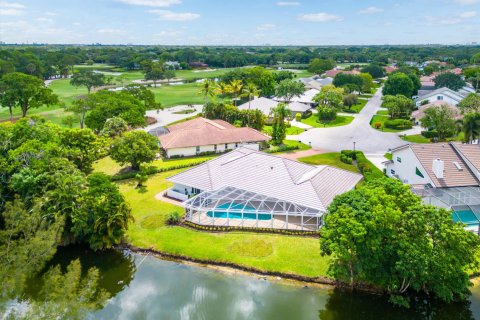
240,22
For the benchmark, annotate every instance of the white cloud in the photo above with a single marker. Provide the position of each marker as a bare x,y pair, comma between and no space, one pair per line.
111,31
11,8
76,24
266,26
319,17
370,10
288,3
175,16
168,33
468,14
152,3
44,20
49,13
12,5
467,2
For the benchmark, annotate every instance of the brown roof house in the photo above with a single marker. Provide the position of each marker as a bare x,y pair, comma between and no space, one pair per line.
200,136
420,112
437,165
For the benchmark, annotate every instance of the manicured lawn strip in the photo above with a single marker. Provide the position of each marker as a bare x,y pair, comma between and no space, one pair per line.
169,95
382,119
416,138
339,121
383,112
331,159
267,129
359,106
299,255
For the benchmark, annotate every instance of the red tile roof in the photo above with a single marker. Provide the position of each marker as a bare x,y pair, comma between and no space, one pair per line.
202,132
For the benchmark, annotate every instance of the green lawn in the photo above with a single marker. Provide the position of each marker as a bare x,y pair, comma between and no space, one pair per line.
174,95
339,121
382,112
381,119
331,159
298,255
267,129
359,106
416,138
388,156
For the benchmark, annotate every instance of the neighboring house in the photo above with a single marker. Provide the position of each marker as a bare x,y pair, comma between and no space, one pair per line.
420,113
427,83
437,165
298,107
201,135
442,94
172,65
305,98
444,175
249,188
390,69
261,103
315,82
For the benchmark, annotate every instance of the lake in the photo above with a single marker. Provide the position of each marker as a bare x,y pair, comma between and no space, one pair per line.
145,287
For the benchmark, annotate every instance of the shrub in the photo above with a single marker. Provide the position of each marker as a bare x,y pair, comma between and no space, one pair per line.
307,114
345,159
173,218
378,125
298,117
430,134
177,156
282,148
326,113
398,124
424,102
369,170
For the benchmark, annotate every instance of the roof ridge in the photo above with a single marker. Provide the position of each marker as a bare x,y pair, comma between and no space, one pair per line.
462,158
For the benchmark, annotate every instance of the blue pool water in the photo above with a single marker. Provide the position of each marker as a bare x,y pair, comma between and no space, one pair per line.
465,216
248,212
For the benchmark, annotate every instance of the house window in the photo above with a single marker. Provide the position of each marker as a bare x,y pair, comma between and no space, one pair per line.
197,149
392,171
226,146
215,147
399,159
439,97
419,173
236,145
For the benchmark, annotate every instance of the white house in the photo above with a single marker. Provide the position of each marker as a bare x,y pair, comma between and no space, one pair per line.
442,94
201,135
250,188
438,165
260,103
305,98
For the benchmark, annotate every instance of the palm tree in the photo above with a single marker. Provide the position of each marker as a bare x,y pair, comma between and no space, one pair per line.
278,127
207,89
475,80
222,89
471,127
251,91
236,88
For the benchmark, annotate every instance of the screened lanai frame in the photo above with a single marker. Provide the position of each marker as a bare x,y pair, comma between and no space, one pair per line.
239,203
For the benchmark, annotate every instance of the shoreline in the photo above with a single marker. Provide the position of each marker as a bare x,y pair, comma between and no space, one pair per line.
233,268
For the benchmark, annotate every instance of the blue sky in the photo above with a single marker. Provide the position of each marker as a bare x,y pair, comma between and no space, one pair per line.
240,22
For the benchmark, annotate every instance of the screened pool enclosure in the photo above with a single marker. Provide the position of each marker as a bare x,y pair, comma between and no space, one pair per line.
233,207
463,201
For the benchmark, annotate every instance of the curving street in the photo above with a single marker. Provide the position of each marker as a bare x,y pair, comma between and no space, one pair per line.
367,139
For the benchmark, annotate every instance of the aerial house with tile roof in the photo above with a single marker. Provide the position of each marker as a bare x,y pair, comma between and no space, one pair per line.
200,135
253,189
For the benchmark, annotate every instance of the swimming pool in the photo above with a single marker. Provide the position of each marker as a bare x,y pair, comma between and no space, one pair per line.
465,216
248,212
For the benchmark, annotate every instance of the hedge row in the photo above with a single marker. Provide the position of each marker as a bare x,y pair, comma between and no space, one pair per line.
154,170
399,124
255,230
368,169
430,134
281,148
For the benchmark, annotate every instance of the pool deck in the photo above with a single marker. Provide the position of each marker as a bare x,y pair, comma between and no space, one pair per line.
278,222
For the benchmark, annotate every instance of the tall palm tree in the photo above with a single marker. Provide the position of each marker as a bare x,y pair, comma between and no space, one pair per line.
207,89
222,89
251,91
236,88
471,127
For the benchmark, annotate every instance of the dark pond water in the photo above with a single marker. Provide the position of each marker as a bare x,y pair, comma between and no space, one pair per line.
144,287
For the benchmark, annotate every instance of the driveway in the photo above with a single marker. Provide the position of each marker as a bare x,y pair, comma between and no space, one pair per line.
366,139
167,116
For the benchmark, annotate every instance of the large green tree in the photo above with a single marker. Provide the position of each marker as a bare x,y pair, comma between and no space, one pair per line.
88,79
319,66
397,106
134,147
381,234
470,104
25,91
289,89
440,119
399,83
471,127
450,80
374,70
280,113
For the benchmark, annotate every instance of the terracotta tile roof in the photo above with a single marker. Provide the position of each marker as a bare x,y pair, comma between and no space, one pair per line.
471,152
202,132
420,113
452,176
332,73
270,175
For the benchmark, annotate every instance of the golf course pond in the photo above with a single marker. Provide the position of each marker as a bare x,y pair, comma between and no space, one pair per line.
145,287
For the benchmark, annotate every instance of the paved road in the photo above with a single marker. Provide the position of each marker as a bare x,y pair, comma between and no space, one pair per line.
367,139
167,116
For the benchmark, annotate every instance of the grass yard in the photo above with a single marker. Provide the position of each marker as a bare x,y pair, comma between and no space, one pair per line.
359,106
381,119
416,138
267,129
383,112
331,159
178,94
268,252
339,121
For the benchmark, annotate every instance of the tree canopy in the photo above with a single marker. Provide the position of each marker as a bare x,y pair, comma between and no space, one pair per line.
399,83
441,119
88,79
134,148
450,80
288,89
